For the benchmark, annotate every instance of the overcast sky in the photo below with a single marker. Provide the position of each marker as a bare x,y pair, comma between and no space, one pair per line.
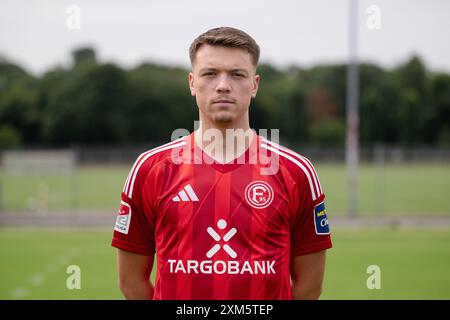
36,35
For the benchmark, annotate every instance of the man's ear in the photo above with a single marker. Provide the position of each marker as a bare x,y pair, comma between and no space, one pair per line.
255,85
191,83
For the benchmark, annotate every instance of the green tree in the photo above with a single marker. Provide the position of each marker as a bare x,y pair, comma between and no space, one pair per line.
87,106
18,103
9,137
411,85
328,133
438,124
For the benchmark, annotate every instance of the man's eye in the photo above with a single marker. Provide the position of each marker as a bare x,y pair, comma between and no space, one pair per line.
240,75
208,74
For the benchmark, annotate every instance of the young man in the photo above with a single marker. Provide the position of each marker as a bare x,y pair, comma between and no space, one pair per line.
228,218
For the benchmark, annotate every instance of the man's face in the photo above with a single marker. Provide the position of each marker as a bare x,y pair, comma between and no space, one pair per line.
223,81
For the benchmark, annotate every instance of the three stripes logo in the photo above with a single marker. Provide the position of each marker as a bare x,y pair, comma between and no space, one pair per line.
186,195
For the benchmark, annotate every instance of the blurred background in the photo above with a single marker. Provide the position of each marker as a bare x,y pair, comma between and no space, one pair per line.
86,87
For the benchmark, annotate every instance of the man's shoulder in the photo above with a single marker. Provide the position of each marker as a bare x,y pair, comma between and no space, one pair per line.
292,160
297,166
150,161
152,157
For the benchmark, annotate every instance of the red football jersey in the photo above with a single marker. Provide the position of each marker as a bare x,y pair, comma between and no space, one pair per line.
222,231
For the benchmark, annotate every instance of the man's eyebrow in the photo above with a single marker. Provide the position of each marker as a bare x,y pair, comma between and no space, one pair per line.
207,69
232,70
239,70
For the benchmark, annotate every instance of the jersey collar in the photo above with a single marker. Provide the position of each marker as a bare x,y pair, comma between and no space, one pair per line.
203,158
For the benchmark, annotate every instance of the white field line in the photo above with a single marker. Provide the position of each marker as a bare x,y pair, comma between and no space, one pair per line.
39,278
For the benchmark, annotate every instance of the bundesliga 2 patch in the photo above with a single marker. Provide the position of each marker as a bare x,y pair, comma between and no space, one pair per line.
321,220
123,218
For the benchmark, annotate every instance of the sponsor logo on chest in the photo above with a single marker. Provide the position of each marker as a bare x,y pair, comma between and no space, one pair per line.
222,242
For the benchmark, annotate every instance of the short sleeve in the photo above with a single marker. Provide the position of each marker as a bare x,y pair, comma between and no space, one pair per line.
310,230
134,229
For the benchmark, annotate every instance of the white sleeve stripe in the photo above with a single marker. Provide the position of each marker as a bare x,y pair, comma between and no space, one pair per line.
127,185
130,194
315,173
304,160
313,193
311,168
126,181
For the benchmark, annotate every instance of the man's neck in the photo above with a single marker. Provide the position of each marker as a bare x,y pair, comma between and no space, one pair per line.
223,144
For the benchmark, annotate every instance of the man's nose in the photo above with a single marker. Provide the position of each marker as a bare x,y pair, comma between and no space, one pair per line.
224,84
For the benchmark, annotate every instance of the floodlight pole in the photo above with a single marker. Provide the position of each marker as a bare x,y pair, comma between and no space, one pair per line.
352,145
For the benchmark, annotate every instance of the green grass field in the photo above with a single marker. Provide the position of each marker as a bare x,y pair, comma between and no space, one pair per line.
414,264
410,189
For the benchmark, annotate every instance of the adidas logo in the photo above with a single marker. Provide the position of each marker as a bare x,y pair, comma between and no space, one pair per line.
186,195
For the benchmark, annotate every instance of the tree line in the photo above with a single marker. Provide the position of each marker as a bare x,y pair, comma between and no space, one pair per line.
93,103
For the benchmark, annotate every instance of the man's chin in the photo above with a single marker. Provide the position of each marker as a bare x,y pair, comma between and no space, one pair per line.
223,119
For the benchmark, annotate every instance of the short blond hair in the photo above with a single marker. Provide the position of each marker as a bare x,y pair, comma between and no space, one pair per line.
226,37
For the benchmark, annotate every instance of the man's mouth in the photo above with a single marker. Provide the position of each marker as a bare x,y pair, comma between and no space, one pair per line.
223,101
